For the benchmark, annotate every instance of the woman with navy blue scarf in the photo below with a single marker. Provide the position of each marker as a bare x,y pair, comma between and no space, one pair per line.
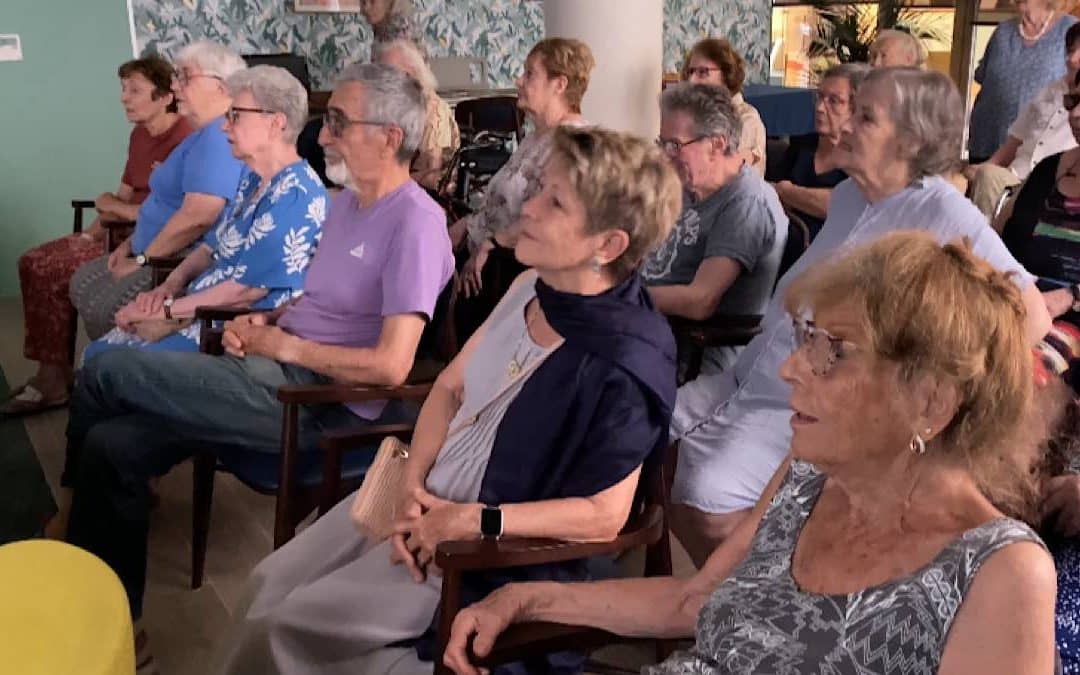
545,431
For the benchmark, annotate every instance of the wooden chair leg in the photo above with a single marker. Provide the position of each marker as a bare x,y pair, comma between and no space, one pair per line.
203,497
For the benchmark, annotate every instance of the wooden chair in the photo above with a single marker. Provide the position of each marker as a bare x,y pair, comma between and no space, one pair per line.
647,527
297,478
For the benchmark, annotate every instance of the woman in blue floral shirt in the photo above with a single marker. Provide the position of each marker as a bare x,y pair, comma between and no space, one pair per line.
258,254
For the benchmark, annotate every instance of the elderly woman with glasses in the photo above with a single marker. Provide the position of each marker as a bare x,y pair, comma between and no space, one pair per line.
258,254
809,172
577,337
1022,56
188,191
46,270
441,135
714,61
883,542
905,132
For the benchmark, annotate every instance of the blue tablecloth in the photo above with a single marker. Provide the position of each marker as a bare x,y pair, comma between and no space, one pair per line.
786,111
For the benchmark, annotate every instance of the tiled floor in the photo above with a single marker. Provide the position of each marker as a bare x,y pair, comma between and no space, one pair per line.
183,624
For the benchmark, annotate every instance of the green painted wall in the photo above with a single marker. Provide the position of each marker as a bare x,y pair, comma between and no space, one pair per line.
62,132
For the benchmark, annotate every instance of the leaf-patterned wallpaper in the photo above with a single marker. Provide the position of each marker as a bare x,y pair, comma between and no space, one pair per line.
501,31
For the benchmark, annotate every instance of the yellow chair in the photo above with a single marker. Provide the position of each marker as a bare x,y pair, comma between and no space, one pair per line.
62,611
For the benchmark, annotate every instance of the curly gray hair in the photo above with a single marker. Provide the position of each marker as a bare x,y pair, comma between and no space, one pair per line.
709,106
929,116
392,98
274,89
212,58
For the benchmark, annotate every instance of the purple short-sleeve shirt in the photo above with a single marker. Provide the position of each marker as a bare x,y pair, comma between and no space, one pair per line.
392,257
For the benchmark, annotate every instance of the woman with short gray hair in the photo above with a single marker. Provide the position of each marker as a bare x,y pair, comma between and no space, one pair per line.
733,429
808,171
259,254
441,135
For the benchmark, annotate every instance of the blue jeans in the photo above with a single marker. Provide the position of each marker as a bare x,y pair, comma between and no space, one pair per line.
135,415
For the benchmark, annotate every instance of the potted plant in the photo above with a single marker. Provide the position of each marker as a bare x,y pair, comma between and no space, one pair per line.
845,31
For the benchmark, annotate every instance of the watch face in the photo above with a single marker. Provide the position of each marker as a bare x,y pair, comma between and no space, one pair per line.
491,522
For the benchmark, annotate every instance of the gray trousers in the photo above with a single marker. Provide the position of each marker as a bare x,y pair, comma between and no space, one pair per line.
97,296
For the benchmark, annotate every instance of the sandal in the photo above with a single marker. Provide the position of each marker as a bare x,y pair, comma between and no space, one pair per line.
29,400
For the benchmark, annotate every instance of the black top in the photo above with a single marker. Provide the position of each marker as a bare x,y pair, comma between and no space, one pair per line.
1043,233
798,167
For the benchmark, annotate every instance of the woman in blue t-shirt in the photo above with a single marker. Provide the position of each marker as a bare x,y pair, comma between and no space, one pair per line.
188,191
258,254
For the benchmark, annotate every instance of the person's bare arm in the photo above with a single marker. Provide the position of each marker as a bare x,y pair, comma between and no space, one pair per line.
387,363
698,299
227,293
1005,155
196,214
813,201
662,607
1006,623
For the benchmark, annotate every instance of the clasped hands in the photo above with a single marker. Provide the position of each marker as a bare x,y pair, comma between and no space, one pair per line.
253,334
424,522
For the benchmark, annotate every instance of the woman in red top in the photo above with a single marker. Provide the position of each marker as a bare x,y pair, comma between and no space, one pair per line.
45,271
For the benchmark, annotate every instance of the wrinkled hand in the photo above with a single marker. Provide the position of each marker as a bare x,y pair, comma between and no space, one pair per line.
153,301
470,278
1061,502
242,338
483,622
441,521
1058,301
408,508
253,319
129,314
104,203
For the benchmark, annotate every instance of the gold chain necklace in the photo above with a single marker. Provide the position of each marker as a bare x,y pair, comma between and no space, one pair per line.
513,369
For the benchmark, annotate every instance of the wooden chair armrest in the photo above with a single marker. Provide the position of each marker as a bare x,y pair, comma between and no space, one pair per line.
347,393
524,640
347,439
117,224
221,312
485,554
82,203
720,330
165,262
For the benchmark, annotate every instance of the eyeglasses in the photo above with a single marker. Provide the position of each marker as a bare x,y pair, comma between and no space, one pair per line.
233,113
832,100
183,77
336,122
823,349
674,147
1070,101
700,71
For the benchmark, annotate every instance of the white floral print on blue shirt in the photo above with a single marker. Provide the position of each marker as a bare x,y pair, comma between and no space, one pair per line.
265,239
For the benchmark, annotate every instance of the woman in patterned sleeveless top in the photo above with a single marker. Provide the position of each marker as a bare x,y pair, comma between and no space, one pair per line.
883,544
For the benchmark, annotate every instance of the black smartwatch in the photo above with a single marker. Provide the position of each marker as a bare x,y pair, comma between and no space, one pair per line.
491,522
1075,290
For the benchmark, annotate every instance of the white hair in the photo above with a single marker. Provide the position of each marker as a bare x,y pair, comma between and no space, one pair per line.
275,89
417,64
393,98
212,58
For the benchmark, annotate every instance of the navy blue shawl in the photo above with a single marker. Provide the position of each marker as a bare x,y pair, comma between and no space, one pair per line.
595,410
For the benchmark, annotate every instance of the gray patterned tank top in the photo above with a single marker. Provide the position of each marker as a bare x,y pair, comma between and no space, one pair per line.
758,621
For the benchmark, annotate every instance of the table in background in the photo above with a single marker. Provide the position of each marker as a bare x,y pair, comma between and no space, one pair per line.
785,111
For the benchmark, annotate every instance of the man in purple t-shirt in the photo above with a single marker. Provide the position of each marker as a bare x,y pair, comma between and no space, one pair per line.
383,259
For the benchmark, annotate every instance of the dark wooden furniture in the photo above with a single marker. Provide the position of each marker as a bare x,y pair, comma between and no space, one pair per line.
647,527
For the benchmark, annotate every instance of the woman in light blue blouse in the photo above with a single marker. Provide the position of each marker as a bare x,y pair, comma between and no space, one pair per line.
1022,57
258,254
